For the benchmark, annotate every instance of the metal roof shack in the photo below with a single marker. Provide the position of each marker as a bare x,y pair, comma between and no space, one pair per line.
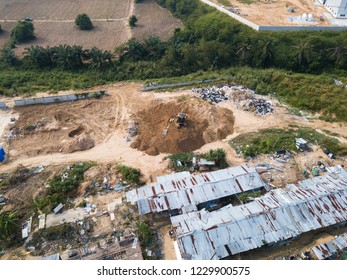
279,215
185,193
326,250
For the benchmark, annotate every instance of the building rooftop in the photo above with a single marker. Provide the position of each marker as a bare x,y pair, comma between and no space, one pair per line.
279,215
186,192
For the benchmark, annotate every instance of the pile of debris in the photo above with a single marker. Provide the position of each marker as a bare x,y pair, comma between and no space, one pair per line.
261,107
213,94
242,96
131,130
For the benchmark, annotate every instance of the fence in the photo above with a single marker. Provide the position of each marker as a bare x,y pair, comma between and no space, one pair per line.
58,98
178,84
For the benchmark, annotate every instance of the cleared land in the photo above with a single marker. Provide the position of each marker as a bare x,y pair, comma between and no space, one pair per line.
105,35
153,20
275,12
63,9
54,22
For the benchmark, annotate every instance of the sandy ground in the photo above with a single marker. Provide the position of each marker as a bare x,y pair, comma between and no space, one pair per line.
126,99
168,244
277,11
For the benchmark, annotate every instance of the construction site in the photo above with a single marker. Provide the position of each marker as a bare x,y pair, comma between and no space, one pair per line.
119,172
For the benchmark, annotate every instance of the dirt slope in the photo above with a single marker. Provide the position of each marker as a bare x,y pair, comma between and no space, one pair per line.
206,123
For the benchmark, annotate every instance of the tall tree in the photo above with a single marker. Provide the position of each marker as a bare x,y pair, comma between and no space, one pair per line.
8,56
244,51
84,22
265,52
337,53
22,32
303,52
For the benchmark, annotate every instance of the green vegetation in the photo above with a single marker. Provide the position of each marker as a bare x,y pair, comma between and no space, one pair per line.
224,2
63,186
244,196
184,158
143,230
271,140
217,155
22,32
83,22
132,21
131,175
299,67
247,1
9,225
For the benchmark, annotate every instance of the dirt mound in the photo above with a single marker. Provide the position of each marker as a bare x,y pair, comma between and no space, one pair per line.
206,123
83,142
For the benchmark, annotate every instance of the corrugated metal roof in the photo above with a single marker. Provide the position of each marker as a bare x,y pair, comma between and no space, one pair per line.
178,192
278,215
326,250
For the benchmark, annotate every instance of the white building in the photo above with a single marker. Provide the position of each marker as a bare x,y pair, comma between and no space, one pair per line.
338,8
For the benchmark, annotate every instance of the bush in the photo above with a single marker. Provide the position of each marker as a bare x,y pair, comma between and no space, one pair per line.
132,21
22,32
271,140
83,22
63,186
131,175
218,156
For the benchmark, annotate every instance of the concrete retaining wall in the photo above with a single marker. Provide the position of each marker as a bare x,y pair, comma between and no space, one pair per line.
178,84
273,28
57,98
3,106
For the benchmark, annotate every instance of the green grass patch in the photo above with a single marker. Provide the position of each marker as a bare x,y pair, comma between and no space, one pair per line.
217,155
131,175
247,1
271,140
63,186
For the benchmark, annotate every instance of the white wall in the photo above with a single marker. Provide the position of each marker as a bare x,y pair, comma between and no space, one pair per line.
337,8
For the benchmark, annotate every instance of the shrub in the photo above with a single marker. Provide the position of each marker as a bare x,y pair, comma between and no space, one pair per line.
83,22
132,21
131,175
22,32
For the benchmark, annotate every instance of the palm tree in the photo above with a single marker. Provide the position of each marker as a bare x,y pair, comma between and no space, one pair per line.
8,56
337,53
244,50
303,51
99,58
9,223
265,52
39,56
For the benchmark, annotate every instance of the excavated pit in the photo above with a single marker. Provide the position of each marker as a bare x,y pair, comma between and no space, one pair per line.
206,123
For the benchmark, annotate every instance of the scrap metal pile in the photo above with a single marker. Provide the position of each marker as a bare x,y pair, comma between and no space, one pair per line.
240,95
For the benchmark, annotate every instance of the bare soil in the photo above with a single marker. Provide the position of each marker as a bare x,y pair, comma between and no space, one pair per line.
63,9
275,12
153,20
104,35
206,123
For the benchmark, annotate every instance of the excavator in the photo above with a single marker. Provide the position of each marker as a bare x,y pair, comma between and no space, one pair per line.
181,120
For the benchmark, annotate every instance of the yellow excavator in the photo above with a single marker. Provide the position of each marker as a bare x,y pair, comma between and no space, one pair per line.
181,120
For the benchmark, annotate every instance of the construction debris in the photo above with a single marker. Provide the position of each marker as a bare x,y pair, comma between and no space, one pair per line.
240,95
301,144
261,107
